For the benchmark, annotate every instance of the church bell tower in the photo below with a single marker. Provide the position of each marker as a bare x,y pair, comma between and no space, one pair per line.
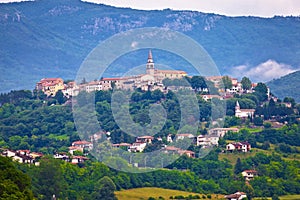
150,64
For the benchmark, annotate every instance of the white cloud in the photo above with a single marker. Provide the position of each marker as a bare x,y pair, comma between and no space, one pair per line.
263,72
134,44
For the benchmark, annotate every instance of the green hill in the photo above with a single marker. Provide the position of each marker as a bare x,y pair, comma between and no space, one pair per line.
50,38
286,86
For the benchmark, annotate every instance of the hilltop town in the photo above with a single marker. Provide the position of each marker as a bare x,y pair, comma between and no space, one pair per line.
254,125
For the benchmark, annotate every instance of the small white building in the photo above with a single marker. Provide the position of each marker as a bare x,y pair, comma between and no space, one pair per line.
238,146
144,139
169,138
236,196
83,144
243,113
222,131
137,147
249,174
78,159
207,140
182,136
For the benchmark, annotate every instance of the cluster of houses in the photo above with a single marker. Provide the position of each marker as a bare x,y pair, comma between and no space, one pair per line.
22,156
151,80
204,141
81,146
28,157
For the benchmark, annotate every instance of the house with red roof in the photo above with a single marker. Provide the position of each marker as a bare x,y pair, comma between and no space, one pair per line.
78,159
50,86
238,146
236,196
249,174
83,144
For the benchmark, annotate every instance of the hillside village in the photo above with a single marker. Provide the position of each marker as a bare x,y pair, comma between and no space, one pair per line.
251,110
155,79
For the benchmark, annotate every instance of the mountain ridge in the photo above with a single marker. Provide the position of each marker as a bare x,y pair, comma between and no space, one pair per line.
286,86
51,38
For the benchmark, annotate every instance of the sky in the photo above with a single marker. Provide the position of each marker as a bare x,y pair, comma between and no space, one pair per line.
261,8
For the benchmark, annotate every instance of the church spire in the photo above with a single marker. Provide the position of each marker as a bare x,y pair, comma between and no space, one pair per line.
150,64
237,106
150,58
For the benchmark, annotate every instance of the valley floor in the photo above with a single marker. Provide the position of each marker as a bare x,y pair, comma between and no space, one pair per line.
145,193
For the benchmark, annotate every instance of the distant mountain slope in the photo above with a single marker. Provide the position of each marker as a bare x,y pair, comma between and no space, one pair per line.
50,38
287,86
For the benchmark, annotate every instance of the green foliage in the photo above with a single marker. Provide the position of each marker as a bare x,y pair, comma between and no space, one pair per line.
31,123
246,83
49,180
104,189
59,96
286,86
258,121
238,168
14,184
261,91
227,82
198,83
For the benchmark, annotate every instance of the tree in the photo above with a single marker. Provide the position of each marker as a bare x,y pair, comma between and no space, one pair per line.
258,121
157,95
289,100
198,83
275,197
49,178
14,184
227,82
238,168
246,83
105,189
261,91
59,96
249,191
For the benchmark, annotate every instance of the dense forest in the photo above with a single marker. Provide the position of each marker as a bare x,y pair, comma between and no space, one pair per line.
29,120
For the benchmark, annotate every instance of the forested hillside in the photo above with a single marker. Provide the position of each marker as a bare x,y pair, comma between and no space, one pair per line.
46,125
286,86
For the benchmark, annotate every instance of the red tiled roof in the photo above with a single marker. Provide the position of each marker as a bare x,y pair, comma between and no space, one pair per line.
80,157
250,171
81,142
172,148
171,71
110,79
184,134
121,145
146,137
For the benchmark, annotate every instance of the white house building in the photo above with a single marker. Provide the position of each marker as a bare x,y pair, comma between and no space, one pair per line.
243,113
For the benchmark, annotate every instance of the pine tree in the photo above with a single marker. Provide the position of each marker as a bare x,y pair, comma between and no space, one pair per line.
238,166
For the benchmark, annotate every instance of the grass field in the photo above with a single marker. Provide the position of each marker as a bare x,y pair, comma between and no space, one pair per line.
145,193
290,197
285,197
232,157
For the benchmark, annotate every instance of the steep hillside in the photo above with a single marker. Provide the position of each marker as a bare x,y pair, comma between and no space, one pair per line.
52,37
287,86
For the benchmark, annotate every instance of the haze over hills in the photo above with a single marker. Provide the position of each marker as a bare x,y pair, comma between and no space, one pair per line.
51,38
